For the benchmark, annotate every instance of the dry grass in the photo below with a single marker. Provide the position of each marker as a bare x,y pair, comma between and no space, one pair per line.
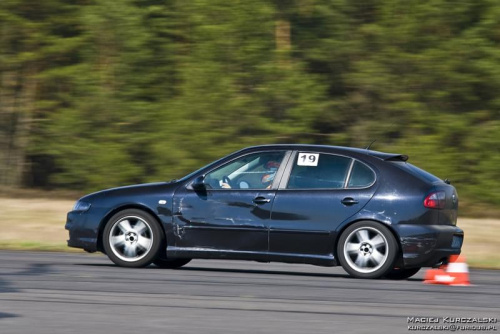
480,243
38,224
34,223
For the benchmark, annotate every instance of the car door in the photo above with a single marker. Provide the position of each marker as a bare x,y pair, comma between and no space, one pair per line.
230,214
318,192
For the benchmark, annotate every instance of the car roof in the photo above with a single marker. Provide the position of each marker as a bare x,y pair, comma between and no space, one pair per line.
334,149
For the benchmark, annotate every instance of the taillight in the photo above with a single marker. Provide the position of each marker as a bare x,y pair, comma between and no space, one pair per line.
435,200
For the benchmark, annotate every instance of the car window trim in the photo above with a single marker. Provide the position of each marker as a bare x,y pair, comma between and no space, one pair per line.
281,170
348,177
287,171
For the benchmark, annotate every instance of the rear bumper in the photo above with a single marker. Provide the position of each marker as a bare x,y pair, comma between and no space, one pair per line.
428,245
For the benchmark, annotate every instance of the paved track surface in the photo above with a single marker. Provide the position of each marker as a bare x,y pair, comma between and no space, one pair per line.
86,293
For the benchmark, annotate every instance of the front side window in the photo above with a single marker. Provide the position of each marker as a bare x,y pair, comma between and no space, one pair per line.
253,171
316,171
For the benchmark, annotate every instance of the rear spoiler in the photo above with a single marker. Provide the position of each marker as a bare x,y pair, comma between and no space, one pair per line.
397,157
389,156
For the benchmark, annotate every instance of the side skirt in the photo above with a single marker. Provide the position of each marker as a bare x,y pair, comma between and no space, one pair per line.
208,253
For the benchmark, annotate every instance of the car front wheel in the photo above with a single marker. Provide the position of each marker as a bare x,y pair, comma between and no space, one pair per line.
132,238
367,250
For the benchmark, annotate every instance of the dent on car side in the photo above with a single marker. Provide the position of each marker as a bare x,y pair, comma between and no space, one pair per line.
281,230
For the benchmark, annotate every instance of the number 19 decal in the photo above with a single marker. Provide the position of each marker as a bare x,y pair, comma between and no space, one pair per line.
308,159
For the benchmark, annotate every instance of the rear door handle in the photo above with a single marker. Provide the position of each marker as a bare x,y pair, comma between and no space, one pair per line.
261,200
349,201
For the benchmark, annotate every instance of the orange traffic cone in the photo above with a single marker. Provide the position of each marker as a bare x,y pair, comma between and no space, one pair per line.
455,273
458,269
430,275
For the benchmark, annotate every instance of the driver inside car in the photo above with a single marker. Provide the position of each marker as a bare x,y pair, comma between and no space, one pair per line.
271,167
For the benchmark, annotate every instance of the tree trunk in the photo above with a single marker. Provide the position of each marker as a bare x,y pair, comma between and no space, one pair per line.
8,86
282,35
18,104
283,43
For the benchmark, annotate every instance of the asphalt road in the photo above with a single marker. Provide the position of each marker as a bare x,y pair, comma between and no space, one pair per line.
86,293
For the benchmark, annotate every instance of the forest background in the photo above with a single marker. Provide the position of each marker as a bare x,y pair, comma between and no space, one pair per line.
102,93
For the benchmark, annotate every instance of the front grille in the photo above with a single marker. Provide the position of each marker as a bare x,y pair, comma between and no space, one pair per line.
457,241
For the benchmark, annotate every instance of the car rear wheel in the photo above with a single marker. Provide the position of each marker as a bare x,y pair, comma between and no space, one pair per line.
132,238
171,263
367,250
399,273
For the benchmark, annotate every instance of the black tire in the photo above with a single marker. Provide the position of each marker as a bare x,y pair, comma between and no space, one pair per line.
170,263
400,274
367,249
132,238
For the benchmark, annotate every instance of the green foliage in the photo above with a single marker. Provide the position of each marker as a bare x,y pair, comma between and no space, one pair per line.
144,90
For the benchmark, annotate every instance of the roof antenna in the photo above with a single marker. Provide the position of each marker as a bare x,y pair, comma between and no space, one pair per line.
368,147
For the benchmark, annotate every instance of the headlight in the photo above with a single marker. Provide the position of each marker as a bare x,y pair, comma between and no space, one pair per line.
81,206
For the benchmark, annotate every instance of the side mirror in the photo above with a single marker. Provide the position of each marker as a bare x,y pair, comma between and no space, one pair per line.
199,183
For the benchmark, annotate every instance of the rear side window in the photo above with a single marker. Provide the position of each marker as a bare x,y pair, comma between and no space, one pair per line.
315,171
361,176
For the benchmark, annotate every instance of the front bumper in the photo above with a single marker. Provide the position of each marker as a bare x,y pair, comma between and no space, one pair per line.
83,230
428,245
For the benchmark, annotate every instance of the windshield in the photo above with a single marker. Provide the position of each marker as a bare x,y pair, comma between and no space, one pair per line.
202,168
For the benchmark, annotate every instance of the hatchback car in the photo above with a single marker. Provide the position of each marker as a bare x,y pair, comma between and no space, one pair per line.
373,213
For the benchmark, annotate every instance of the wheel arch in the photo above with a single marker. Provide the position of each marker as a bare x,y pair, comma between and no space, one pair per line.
389,226
110,214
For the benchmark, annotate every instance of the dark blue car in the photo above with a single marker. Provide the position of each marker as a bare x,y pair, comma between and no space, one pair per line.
371,212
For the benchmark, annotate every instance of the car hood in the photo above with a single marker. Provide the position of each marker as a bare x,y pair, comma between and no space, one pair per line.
136,189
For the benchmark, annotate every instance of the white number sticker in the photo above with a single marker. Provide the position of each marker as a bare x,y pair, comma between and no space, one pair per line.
308,159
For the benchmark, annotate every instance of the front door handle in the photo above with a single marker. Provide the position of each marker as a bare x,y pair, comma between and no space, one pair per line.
349,201
261,200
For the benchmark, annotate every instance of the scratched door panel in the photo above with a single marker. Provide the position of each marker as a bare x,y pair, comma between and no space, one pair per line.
225,220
